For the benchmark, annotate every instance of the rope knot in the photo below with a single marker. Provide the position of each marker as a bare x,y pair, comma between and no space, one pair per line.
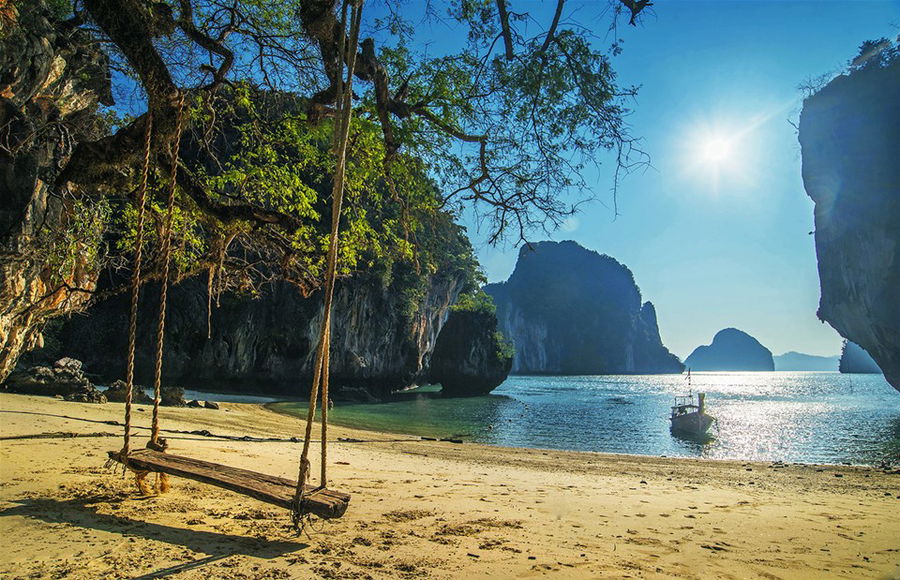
159,445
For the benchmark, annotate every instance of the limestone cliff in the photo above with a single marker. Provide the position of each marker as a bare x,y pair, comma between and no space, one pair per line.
569,310
731,350
856,360
381,339
52,77
850,139
471,357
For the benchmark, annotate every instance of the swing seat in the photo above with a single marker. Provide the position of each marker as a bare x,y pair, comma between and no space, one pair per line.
325,503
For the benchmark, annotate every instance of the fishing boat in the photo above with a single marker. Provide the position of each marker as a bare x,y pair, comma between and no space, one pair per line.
688,417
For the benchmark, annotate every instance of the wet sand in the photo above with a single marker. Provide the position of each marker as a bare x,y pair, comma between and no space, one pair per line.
424,509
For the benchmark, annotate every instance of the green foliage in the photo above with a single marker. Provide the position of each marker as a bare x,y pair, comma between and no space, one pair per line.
872,55
875,54
481,305
545,114
76,249
190,243
506,350
475,124
263,150
479,301
59,9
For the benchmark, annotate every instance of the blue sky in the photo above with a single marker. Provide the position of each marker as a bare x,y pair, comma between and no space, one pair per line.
720,242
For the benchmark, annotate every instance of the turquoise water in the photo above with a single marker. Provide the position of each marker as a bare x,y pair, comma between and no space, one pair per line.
811,417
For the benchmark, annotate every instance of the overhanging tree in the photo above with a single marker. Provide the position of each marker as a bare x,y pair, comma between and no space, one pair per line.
508,121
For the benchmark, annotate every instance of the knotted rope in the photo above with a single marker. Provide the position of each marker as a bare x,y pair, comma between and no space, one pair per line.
136,284
166,243
321,366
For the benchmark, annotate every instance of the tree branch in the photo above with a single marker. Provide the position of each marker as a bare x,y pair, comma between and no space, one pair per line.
635,7
507,33
230,213
552,31
186,24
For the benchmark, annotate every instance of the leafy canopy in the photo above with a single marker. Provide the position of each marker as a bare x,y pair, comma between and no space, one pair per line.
508,120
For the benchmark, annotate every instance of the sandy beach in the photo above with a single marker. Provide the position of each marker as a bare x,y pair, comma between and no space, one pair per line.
424,508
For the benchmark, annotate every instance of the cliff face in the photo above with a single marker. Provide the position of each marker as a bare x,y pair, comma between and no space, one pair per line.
569,310
731,350
850,139
51,79
380,341
470,357
856,360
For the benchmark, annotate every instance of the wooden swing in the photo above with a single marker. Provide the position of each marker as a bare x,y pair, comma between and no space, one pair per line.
298,496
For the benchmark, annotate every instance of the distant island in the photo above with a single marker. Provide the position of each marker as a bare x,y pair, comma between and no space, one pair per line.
569,310
798,361
855,359
731,350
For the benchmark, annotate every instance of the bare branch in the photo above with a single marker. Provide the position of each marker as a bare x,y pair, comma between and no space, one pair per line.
507,33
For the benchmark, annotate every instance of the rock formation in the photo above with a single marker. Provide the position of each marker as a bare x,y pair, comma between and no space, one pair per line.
856,360
381,342
798,361
52,77
64,379
118,391
569,310
731,350
471,357
850,139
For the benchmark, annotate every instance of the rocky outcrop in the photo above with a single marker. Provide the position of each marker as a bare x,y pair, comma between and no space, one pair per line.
51,79
171,396
731,350
854,359
569,310
118,391
471,357
850,145
382,339
64,379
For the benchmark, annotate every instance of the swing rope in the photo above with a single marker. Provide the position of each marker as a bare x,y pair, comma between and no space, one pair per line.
322,363
166,243
136,284
277,491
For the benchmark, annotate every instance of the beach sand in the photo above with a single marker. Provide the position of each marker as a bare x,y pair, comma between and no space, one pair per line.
424,509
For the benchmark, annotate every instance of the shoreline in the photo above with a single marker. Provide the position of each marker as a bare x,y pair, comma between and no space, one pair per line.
427,508
271,406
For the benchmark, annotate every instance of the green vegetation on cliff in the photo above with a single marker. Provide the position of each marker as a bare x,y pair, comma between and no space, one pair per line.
506,131
481,304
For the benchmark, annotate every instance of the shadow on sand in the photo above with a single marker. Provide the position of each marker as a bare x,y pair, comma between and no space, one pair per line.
82,512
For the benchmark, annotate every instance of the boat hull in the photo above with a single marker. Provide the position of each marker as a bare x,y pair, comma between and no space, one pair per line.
692,423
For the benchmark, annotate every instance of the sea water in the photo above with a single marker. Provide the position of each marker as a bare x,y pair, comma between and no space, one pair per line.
809,417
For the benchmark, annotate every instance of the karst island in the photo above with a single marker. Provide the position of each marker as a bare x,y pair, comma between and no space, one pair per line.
378,289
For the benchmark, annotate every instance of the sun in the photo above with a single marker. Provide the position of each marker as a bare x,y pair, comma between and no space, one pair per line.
720,153
716,154
715,150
